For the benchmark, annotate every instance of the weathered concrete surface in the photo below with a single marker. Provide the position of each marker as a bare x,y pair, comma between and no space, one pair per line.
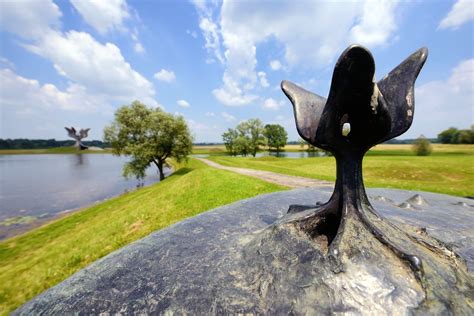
234,259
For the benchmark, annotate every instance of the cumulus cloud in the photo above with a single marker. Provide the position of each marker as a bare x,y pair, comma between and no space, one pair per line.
272,104
275,65
461,12
104,16
228,117
29,18
376,23
165,75
96,69
22,94
243,25
210,30
183,103
445,103
210,114
100,68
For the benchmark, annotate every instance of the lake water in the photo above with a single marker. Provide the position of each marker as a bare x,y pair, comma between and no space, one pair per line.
40,186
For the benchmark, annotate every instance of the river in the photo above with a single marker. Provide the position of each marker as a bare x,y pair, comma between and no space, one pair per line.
36,188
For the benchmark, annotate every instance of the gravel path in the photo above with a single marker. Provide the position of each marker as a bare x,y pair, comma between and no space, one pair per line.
282,179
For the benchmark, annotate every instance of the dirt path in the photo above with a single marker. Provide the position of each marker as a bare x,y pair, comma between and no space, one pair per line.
282,179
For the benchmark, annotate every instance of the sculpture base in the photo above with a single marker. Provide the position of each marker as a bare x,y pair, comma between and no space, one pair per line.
244,258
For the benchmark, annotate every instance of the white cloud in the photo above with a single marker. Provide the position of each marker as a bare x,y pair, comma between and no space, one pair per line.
461,12
443,103
262,76
210,114
104,16
100,68
275,65
291,24
138,47
23,95
165,75
231,94
209,27
29,18
228,117
272,104
377,22
183,103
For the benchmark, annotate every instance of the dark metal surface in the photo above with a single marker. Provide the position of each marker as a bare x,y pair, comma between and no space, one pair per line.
358,114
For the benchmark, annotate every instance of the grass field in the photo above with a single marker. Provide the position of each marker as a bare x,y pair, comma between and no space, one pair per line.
41,258
449,172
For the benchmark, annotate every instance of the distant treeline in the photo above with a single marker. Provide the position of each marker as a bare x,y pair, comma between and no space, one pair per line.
22,143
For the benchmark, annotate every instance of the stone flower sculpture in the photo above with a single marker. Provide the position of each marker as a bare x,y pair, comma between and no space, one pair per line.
78,136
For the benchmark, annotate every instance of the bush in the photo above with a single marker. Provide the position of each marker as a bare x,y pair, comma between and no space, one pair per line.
422,146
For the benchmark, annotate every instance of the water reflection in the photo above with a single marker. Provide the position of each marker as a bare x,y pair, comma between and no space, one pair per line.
79,159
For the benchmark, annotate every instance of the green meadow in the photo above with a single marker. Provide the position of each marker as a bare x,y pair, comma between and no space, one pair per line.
449,170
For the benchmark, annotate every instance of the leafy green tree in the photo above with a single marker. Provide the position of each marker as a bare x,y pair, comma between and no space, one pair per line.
253,131
149,136
276,136
422,146
466,136
242,145
449,136
230,141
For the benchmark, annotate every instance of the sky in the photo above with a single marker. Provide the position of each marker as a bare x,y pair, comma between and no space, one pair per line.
74,62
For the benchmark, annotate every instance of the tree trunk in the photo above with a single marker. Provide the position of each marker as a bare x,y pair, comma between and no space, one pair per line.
159,164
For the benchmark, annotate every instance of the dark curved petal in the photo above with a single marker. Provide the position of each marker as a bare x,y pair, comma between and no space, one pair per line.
351,100
307,108
397,89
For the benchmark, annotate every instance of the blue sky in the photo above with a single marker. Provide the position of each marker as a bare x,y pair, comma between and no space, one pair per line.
73,63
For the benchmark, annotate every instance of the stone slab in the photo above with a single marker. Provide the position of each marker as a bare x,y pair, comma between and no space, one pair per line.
187,268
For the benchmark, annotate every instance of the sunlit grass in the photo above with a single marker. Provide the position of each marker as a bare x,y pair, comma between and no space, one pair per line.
39,259
443,173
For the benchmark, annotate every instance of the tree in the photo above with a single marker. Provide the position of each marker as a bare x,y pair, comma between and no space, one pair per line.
252,130
276,136
149,136
422,146
449,136
230,141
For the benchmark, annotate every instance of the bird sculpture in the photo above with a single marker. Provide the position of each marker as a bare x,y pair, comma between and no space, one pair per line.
358,114
78,136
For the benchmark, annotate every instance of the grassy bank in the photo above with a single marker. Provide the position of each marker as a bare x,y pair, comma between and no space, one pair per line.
449,173
41,258
55,150
391,150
